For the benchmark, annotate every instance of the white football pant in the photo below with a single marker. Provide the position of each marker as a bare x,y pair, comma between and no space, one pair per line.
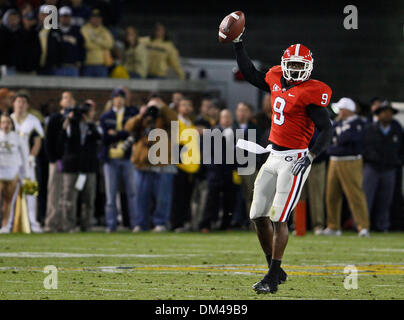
276,189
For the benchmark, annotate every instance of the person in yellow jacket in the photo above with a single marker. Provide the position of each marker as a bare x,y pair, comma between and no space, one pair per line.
135,57
190,158
162,54
98,42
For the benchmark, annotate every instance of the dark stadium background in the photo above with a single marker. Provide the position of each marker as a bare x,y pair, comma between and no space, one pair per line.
358,63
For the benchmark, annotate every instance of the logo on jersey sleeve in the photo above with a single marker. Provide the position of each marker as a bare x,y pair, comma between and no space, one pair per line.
276,88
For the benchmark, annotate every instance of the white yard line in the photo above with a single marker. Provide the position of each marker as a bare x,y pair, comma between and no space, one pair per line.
120,290
87,255
384,250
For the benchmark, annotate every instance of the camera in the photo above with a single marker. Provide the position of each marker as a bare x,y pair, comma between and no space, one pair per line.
150,118
152,112
78,111
151,115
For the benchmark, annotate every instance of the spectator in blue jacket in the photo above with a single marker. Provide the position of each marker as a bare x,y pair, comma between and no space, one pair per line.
80,13
73,52
345,171
382,157
117,166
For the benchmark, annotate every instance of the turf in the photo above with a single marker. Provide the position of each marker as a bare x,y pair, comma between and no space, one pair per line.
220,265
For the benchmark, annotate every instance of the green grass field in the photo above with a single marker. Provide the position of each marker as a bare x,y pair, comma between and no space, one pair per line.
220,265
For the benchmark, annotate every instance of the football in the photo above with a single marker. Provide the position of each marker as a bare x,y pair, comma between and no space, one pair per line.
231,26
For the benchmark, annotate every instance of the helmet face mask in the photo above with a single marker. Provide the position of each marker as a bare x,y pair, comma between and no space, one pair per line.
298,66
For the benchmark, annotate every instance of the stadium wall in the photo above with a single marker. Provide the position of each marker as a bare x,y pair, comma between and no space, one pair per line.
43,89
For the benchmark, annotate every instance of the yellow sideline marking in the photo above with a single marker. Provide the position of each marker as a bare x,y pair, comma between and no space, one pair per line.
375,269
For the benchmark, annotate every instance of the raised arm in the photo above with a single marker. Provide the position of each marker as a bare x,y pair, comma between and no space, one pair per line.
247,68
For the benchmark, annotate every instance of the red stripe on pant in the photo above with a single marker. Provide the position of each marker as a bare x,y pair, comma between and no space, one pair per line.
290,193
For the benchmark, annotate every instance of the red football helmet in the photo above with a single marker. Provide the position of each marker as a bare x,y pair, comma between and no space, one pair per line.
297,63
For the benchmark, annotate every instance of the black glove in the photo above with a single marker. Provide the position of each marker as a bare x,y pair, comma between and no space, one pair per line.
302,164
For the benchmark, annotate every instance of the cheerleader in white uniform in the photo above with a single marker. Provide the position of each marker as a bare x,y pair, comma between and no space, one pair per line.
13,157
29,128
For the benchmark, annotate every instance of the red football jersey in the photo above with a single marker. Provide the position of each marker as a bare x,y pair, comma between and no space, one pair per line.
291,125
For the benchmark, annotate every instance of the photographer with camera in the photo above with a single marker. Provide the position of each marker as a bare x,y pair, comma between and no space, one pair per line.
117,166
79,138
54,219
152,181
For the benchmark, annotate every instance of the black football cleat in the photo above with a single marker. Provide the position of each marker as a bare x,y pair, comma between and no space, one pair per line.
261,287
273,284
283,276
270,284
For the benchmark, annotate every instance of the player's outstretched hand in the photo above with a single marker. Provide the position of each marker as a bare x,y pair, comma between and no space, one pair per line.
238,39
302,164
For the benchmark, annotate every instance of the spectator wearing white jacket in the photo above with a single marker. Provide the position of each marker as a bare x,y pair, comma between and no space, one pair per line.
13,157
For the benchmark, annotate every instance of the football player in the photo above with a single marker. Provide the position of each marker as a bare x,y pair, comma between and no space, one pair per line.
298,105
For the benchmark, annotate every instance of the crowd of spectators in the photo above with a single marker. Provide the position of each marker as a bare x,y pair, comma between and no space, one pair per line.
87,42
100,171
